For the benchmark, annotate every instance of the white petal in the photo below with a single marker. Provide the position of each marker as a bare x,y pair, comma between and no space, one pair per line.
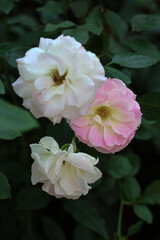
50,144
83,184
37,175
52,91
31,65
92,177
80,160
53,107
82,85
23,88
68,180
43,82
52,62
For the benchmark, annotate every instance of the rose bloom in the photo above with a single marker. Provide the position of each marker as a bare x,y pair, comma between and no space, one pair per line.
63,173
58,79
112,119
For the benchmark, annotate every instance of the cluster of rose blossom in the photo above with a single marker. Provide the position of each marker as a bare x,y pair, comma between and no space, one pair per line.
61,79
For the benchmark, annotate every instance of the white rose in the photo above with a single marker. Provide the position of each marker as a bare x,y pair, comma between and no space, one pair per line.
63,173
58,79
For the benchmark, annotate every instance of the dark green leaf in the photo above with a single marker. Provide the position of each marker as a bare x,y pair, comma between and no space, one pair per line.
118,74
79,33
142,22
83,233
131,189
118,26
23,19
96,15
133,60
14,120
79,8
134,160
65,147
135,228
53,27
151,194
150,105
118,166
52,229
142,134
144,47
5,190
143,212
93,28
51,7
5,47
32,198
6,6
2,90
87,215
14,54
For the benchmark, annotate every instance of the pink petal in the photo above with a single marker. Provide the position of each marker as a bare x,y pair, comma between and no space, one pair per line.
81,122
95,136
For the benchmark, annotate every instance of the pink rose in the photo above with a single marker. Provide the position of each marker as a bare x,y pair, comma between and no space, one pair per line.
112,120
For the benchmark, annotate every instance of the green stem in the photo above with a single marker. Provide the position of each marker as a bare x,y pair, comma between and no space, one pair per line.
120,219
108,64
122,42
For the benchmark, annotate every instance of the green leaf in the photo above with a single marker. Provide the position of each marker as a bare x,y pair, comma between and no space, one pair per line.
14,120
53,7
23,19
150,105
52,229
79,8
131,188
79,33
134,160
14,54
2,90
74,145
118,166
53,27
118,26
151,194
142,22
133,60
96,15
118,74
32,198
5,190
143,212
93,28
5,47
83,233
6,6
65,146
135,228
87,215
144,47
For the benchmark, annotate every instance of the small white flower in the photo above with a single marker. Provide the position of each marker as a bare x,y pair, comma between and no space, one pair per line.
63,173
58,79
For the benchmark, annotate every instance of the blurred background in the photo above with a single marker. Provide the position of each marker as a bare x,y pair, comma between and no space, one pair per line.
25,211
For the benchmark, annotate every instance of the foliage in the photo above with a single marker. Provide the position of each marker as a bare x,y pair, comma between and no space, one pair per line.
125,36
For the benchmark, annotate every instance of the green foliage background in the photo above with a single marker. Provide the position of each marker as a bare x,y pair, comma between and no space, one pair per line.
125,34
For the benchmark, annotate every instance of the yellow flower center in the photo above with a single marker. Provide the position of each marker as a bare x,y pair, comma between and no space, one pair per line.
103,112
57,78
